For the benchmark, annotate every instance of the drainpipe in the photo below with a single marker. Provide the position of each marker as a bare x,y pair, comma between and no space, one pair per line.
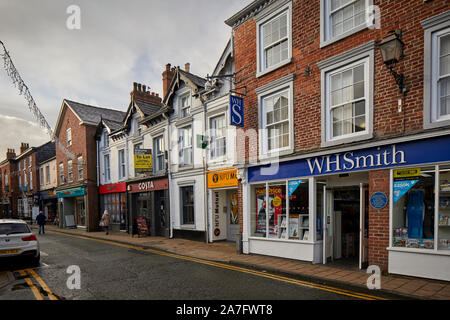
205,181
169,152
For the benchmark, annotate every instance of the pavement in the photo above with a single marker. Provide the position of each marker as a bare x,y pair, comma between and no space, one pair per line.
225,252
5,278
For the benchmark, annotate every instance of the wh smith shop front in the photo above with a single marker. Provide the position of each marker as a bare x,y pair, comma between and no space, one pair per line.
380,204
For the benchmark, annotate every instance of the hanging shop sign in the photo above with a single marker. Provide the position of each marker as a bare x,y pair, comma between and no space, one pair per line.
236,111
143,161
148,185
222,179
378,200
113,188
431,150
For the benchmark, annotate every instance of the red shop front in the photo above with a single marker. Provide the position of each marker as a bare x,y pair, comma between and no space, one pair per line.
113,197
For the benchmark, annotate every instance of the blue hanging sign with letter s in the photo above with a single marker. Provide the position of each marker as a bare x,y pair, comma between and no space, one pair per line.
236,111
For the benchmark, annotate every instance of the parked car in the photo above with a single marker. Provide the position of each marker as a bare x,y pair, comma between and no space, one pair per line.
17,241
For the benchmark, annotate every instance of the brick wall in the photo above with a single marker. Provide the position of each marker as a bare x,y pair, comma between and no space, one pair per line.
379,221
306,51
83,144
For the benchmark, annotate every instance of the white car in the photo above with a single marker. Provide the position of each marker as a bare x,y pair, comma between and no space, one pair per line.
17,240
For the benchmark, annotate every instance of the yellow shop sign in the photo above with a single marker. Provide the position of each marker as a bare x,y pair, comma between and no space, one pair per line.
222,179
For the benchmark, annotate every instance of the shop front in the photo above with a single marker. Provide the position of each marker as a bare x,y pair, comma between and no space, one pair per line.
113,197
381,204
149,201
72,207
223,208
48,204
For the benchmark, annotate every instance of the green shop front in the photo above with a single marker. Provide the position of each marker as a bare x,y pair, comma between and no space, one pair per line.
72,207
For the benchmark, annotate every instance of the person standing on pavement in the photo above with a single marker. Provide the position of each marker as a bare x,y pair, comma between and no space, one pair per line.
40,220
105,221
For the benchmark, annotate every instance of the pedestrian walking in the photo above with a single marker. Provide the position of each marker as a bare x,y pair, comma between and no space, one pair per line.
105,221
40,220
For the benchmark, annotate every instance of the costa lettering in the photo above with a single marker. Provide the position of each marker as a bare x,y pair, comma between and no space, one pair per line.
146,185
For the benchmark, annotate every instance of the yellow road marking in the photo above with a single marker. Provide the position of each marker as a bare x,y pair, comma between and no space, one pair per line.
43,284
33,288
239,269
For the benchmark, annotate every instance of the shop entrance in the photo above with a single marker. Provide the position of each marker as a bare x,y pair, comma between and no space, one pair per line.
346,226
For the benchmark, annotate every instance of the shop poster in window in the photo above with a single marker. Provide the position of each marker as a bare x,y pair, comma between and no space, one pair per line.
275,208
234,214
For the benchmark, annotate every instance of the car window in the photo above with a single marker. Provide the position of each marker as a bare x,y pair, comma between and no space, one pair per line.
12,228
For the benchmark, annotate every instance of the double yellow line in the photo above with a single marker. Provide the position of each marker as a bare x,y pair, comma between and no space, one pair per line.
344,292
36,292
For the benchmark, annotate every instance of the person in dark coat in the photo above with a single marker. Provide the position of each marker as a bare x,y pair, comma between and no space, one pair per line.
40,219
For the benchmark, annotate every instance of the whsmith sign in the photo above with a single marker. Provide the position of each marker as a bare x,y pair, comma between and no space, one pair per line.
415,152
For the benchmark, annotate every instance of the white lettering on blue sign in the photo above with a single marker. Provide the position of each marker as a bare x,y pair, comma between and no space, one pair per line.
237,111
347,161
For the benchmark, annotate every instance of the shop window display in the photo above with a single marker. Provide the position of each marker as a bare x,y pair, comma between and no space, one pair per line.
298,210
444,209
414,209
258,211
276,210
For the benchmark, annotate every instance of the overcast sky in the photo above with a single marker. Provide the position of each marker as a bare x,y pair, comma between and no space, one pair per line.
120,42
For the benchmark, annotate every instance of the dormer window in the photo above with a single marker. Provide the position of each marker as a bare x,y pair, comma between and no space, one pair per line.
185,106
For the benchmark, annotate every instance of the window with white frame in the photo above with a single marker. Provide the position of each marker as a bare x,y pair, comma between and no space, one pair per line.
69,137
276,119
6,179
30,162
19,165
80,168
347,100
47,174
41,178
61,173
25,182
218,128
185,106
185,145
105,139
107,168
31,180
69,171
159,153
122,167
187,205
441,76
436,86
343,17
274,38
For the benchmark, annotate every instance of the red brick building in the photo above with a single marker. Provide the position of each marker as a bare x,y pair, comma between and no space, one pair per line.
76,159
9,186
344,162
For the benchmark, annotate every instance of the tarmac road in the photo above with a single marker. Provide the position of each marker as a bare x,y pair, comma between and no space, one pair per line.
111,271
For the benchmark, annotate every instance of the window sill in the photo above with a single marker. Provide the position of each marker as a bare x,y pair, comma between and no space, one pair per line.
276,154
347,34
187,227
440,252
349,139
186,167
436,124
282,240
273,68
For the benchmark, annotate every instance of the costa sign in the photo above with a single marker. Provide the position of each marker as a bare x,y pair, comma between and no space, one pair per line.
149,185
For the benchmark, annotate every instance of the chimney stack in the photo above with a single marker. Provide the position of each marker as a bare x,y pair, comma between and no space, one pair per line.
23,147
187,67
167,77
10,154
141,92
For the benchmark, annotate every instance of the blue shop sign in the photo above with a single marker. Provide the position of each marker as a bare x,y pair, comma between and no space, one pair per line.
72,193
236,111
414,152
